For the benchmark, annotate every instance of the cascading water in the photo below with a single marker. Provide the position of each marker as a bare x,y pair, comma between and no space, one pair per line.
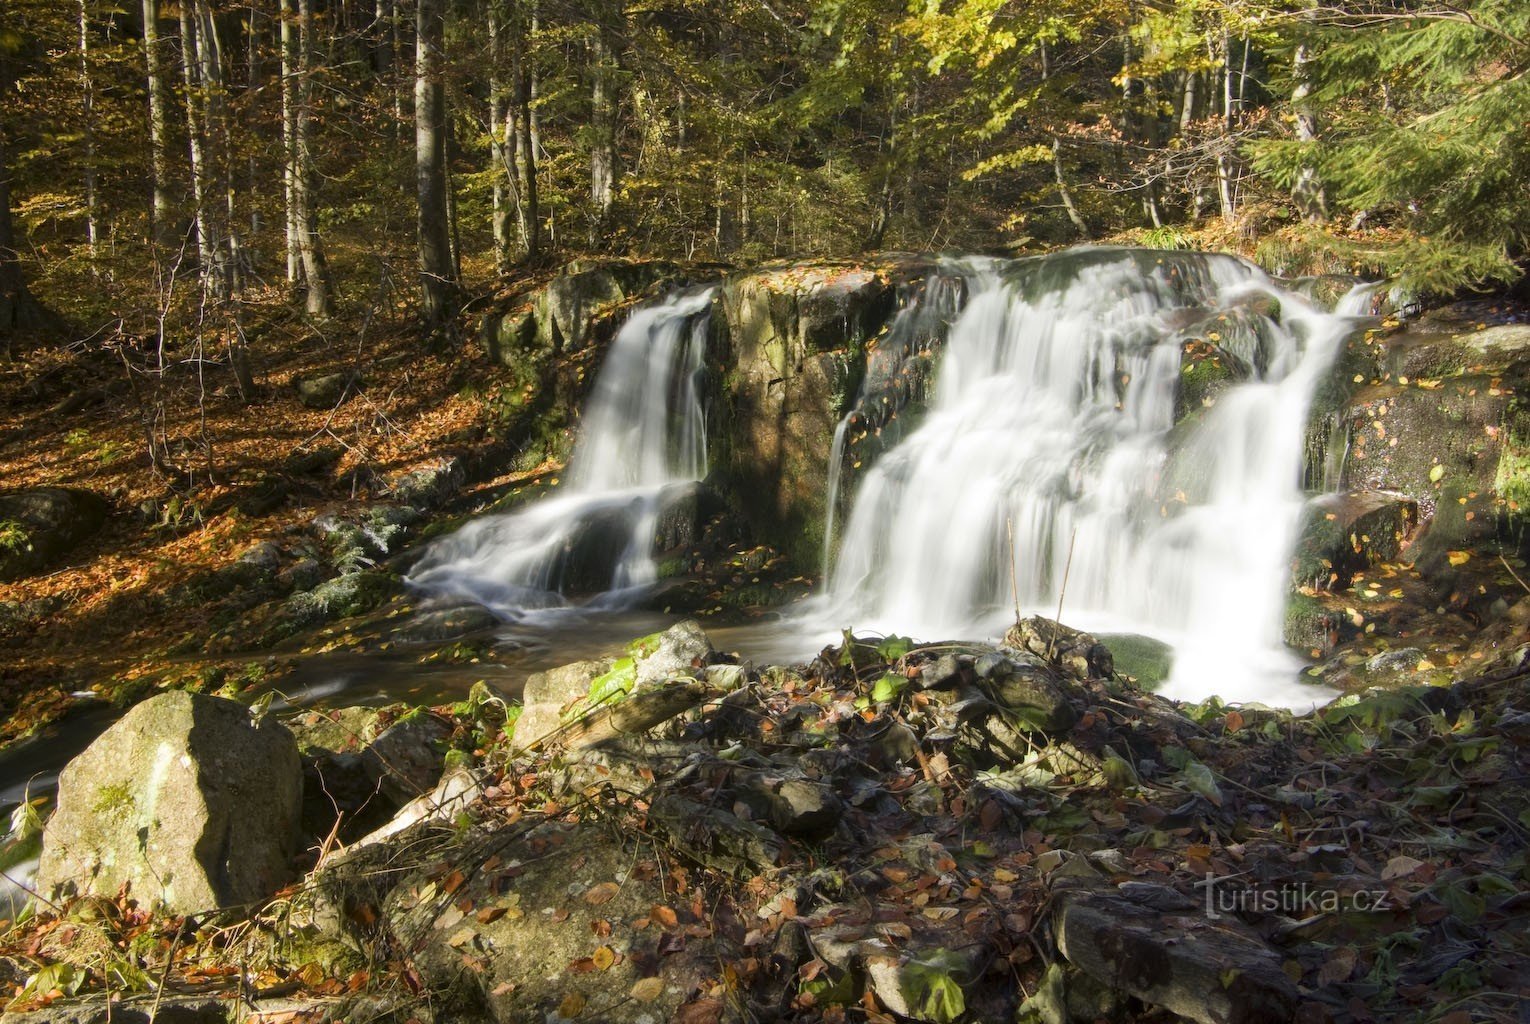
643,437
1054,422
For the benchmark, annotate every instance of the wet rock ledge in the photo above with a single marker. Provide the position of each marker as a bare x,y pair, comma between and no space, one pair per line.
895,831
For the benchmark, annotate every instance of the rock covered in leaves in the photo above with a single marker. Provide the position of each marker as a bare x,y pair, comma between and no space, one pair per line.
185,800
38,527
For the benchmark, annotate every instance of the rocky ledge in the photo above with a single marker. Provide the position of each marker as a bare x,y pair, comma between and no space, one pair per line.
933,832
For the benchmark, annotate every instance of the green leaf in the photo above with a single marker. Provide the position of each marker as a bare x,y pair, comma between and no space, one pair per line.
930,985
894,647
888,687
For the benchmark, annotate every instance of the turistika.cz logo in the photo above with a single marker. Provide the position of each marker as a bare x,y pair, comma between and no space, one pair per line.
1293,898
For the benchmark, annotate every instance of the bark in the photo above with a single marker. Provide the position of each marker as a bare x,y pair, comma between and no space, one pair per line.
500,138
159,160
19,311
1226,168
88,119
604,102
1308,193
319,300
218,152
527,140
1066,194
289,51
207,255
438,285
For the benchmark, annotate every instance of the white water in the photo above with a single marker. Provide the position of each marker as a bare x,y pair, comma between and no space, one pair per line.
1054,419
644,432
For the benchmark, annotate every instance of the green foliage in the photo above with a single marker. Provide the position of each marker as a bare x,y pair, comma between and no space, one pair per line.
1440,162
14,537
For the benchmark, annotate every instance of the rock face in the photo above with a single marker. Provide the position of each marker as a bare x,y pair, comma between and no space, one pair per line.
1343,534
1215,974
184,800
793,342
38,527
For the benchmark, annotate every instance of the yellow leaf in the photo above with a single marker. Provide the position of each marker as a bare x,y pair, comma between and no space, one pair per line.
1436,472
572,1005
1459,557
604,957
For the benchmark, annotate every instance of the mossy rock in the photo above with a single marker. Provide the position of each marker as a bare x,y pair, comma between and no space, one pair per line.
1309,625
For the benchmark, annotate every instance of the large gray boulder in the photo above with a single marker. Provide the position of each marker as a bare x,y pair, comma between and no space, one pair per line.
38,527
185,800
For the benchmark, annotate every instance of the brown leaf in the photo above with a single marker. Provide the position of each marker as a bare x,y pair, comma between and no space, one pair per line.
664,917
572,1005
452,882
600,927
646,990
1234,721
671,942
560,915
604,958
1338,966
702,1011
489,915
602,893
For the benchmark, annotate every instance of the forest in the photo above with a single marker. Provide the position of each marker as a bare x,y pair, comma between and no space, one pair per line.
764,510
165,164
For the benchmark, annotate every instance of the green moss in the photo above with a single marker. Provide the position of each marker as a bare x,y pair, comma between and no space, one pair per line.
113,798
1308,623
1512,481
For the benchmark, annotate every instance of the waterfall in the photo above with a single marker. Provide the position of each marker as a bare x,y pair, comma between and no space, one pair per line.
643,438
1054,420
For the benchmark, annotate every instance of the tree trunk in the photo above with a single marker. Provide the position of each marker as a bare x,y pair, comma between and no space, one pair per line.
289,51
207,250
527,139
19,311
88,125
315,269
1066,194
218,151
438,284
1226,169
159,159
604,103
500,136
1307,193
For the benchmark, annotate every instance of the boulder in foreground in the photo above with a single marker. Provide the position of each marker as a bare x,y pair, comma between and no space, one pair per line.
185,800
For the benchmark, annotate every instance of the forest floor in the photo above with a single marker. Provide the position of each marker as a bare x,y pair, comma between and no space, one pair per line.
232,471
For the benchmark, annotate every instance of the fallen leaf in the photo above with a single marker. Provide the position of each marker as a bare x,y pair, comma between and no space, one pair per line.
602,893
572,1005
646,990
604,958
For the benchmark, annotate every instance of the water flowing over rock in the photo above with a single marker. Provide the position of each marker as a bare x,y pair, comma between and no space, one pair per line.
644,431
186,800
1050,457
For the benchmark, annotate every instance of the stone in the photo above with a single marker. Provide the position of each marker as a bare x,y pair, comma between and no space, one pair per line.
328,390
185,800
39,527
572,917
546,694
1342,534
794,337
944,673
802,807
405,759
683,650
1213,972
1031,693
429,486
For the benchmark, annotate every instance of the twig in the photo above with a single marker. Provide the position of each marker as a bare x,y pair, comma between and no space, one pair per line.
1061,593
1509,567
1014,582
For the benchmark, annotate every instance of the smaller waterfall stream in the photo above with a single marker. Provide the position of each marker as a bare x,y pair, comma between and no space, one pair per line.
644,434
